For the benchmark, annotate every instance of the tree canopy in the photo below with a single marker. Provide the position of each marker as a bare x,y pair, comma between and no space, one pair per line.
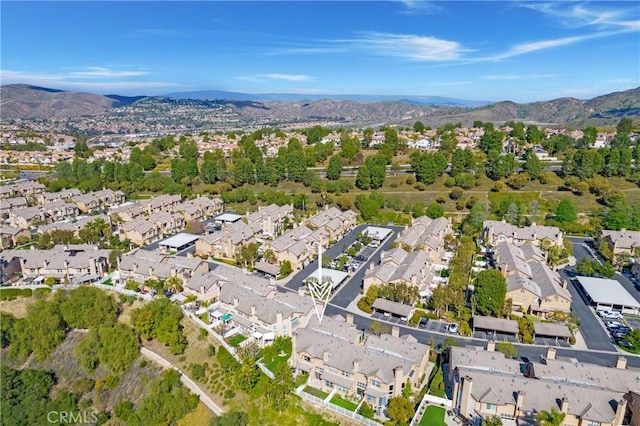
490,289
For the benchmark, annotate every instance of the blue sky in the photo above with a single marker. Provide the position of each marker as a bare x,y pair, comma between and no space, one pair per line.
521,51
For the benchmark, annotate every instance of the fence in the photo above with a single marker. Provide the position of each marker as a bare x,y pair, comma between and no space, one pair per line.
265,370
124,291
353,415
427,400
216,336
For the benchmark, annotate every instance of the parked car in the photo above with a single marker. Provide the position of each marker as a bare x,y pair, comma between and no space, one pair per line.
625,344
607,314
612,325
423,322
453,328
620,334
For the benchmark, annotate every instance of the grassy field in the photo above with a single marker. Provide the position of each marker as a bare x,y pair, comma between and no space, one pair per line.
316,392
18,306
200,416
433,416
344,403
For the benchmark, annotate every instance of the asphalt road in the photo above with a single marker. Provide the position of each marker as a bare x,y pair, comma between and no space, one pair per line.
333,252
595,336
525,351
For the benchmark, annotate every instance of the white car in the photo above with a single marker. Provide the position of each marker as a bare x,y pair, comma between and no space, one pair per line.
453,328
606,314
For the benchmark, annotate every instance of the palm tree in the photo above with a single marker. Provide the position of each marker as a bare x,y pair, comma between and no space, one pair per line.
173,284
550,418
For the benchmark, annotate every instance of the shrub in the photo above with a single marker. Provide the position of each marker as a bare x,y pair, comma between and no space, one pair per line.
364,306
143,363
420,186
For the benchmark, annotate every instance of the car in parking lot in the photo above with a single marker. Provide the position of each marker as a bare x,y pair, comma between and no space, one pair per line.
624,344
620,333
607,314
453,328
612,325
423,322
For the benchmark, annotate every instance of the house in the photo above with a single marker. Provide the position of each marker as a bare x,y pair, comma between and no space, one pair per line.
336,222
485,383
295,246
12,204
531,285
23,188
495,232
86,203
26,217
127,213
338,357
51,197
200,208
428,235
622,242
10,235
273,219
163,203
399,266
76,263
60,210
224,243
143,265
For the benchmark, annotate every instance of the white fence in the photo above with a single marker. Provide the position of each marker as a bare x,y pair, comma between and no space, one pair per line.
265,370
333,407
429,400
215,335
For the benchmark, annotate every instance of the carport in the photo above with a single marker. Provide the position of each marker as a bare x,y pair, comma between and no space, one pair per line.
496,328
552,330
609,294
178,242
393,309
267,268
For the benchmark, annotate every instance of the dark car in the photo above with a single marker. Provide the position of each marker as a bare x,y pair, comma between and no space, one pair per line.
620,334
423,322
625,344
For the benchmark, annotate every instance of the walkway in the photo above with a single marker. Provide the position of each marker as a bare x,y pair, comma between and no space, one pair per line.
193,387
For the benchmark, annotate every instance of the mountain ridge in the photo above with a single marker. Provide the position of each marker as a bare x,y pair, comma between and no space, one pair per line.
25,101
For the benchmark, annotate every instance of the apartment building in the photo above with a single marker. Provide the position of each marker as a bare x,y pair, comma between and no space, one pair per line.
336,222
273,219
622,242
338,356
486,383
21,189
73,262
143,265
495,232
531,285
399,266
427,235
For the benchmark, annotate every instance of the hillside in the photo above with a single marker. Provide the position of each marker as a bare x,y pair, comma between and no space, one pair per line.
24,101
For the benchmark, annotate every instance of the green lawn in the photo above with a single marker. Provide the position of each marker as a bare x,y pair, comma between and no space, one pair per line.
236,340
433,416
275,361
12,293
316,392
344,403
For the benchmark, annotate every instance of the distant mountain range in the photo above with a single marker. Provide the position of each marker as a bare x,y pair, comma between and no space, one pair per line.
24,101
297,97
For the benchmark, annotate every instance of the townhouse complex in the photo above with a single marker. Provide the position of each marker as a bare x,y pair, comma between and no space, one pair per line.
485,383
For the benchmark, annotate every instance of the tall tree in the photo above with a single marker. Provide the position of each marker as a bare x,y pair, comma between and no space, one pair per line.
490,289
334,168
566,211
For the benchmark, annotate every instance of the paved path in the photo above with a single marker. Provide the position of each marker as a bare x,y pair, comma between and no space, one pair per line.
193,387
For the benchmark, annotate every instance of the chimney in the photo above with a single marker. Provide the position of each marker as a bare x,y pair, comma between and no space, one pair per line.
174,272
253,309
395,331
621,410
564,284
491,346
519,401
356,366
301,290
235,302
466,402
350,318
202,290
564,404
150,271
551,352
503,269
325,356
621,362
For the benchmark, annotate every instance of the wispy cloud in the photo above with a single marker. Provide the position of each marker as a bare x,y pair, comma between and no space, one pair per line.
516,76
418,7
576,15
103,72
271,77
72,82
408,46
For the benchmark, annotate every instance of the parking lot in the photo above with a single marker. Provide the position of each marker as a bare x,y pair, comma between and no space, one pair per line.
491,335
633,322
392,319
550,341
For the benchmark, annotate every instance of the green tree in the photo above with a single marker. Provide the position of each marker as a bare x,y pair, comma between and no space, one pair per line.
493,420
634,338
400,410
334,168
566,211
246,255
418,126
378,328
552,417
507,349
160,319
625,125
42,330
532,164
363,178
231,418
87,307
490,292
285,269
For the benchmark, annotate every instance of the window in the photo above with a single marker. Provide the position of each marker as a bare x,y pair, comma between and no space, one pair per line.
342,389
592,423
371,398
307,358
329,384
345,373
491,408
376,383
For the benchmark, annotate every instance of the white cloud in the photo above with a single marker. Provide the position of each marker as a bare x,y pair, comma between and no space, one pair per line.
409,46
418,7
516,76
103,72
578,15
71,82
271,77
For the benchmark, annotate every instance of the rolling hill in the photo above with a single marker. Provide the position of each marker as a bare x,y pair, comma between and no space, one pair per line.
24,101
